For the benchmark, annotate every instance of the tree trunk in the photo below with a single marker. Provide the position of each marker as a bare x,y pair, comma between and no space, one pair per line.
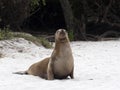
68,15
70,20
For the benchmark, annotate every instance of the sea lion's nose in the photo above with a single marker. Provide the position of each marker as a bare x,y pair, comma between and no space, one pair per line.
62,31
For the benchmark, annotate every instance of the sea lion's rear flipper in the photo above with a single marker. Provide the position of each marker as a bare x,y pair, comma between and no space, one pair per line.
21,72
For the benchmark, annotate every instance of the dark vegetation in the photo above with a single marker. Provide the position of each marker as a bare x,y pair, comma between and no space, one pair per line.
84,19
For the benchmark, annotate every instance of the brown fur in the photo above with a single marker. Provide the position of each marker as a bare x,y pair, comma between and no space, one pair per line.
60,64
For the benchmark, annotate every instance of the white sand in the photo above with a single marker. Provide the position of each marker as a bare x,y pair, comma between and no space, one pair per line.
97,66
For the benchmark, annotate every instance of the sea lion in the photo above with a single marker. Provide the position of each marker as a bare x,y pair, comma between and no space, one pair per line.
59,65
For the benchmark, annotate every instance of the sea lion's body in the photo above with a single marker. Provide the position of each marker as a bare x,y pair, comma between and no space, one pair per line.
60,64
39,68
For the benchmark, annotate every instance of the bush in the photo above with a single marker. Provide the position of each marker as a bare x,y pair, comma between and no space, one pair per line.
5,33
71,35
45,42
37,40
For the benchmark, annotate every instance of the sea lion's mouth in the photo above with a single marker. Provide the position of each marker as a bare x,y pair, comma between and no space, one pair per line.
62,39
62,35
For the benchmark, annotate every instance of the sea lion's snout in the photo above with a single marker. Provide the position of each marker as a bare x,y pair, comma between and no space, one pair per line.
62,31
61,35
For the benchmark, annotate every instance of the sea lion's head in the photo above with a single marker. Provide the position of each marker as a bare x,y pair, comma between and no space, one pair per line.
61,35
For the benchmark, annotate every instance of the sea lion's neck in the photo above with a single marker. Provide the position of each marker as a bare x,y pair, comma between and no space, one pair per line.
61,47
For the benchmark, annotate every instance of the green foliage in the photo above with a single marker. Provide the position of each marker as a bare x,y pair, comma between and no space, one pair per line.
45,42
44,2
37,40
26,36
5,33
71,35
34,4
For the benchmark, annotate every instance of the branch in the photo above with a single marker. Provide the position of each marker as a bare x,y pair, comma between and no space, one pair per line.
106,11
34,12
109,33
